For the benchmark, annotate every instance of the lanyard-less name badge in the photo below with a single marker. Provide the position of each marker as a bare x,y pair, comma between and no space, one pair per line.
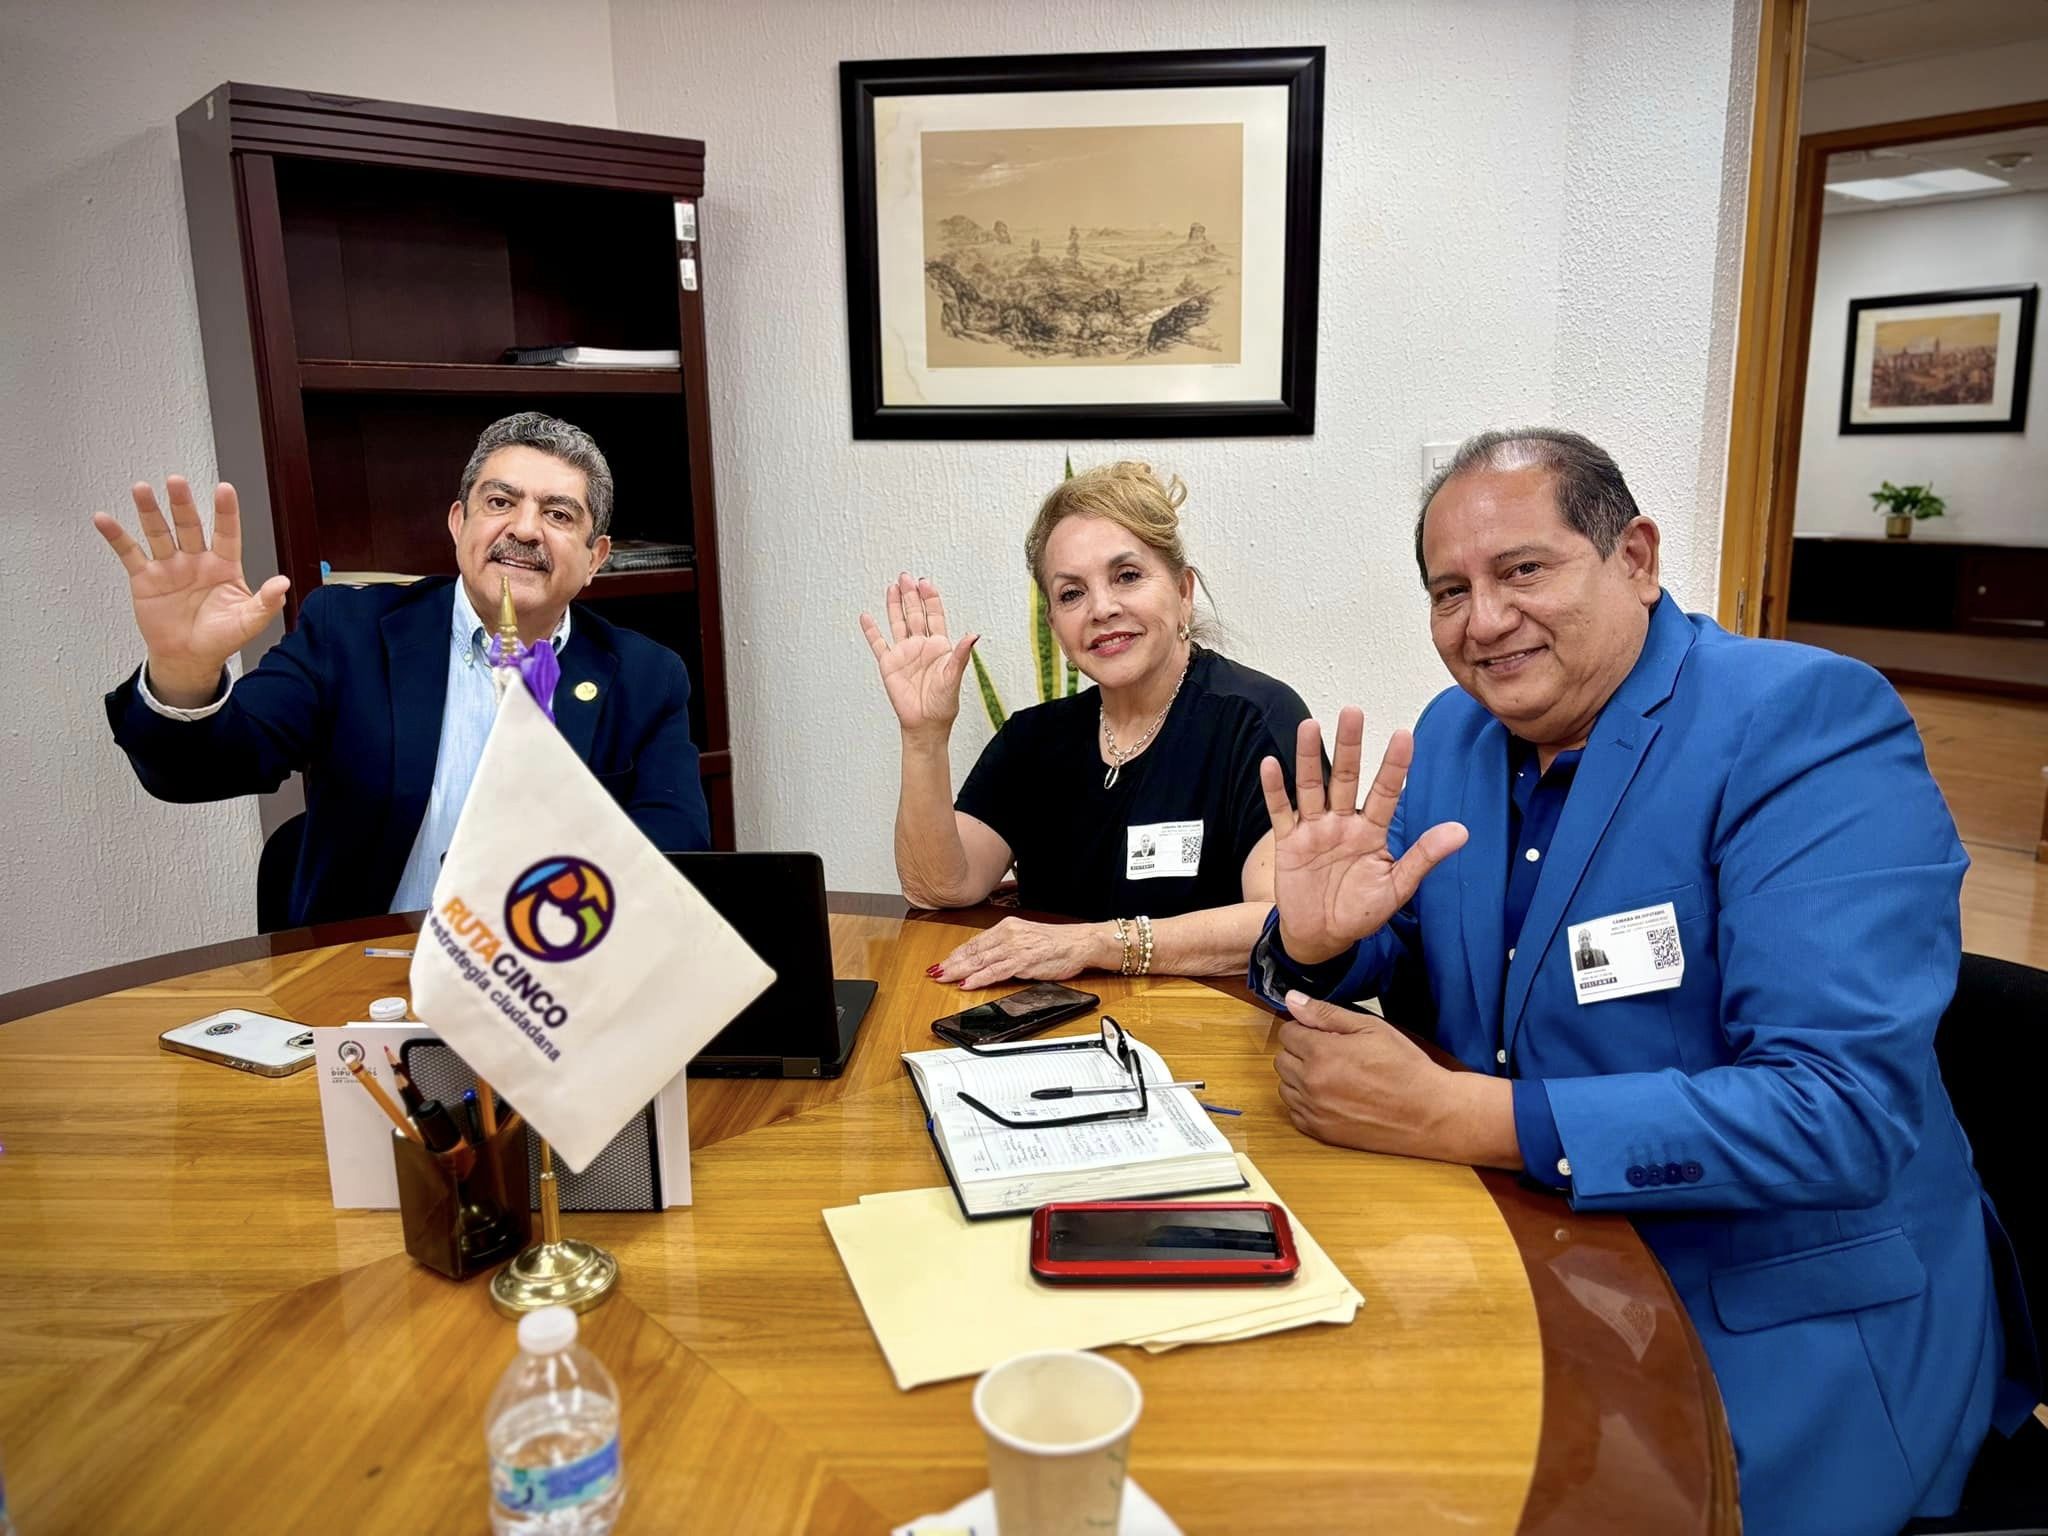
1163,850
1627,953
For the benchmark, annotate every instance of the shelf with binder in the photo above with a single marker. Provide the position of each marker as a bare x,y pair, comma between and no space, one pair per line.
674,579
340,375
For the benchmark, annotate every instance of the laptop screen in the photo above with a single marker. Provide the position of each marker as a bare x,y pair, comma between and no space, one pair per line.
777,903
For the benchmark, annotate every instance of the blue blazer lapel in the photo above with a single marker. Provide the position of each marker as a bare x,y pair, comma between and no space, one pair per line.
1481,891
416,644
587,668
1614,752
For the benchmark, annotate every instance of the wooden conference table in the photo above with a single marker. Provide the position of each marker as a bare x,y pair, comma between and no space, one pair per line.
193,1339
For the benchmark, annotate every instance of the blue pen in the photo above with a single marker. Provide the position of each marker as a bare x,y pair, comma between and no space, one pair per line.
1218,1109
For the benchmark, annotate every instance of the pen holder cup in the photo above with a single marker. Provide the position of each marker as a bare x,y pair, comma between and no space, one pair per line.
466,1212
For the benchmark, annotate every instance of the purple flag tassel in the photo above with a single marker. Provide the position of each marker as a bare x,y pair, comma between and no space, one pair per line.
539,668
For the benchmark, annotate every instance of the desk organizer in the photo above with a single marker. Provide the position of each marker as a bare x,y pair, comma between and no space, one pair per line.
467,1212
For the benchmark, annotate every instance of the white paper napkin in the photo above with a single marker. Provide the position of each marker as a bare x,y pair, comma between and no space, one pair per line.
1140,1516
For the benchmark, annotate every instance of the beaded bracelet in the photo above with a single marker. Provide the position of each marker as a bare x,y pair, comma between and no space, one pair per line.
1145,940
1124,940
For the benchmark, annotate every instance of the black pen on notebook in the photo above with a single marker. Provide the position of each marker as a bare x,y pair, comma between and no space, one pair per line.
1085,1093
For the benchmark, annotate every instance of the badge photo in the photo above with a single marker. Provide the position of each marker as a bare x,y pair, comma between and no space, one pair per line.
1163,850
1624,953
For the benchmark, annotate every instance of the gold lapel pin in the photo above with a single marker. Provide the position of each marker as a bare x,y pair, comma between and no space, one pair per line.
586,691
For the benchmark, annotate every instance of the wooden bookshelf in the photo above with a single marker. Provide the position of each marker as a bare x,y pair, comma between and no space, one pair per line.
643,583
335,375
362,269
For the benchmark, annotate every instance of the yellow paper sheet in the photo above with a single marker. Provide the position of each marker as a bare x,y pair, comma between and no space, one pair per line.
947,1297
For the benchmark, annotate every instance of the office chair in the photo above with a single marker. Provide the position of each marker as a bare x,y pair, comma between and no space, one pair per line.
1993,1048
275,867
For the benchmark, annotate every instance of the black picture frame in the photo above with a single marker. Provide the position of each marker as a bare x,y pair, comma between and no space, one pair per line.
862,83
2015,419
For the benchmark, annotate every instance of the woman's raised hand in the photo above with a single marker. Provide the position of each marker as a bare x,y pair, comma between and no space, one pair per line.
921,669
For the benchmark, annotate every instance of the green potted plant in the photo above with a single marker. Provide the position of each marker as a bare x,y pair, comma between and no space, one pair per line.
1904,505
1056,675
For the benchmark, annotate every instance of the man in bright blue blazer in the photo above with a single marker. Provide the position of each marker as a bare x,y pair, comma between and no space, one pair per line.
1700,924
383,695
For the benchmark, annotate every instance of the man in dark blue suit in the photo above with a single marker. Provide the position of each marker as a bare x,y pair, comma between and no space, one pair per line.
1699,921
382,696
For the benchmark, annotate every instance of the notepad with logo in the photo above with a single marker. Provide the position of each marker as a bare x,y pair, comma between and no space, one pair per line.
1174,1149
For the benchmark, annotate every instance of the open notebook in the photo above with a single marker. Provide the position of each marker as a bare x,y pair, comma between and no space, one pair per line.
996,1171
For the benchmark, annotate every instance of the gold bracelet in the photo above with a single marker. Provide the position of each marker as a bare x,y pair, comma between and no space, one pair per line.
1123,940
1145,939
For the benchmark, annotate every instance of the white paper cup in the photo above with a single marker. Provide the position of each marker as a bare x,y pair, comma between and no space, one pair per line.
1059,1425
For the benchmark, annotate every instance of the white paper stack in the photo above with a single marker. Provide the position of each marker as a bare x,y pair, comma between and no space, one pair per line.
948,1297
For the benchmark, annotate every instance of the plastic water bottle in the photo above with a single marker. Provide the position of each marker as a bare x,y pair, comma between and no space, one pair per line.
553,1434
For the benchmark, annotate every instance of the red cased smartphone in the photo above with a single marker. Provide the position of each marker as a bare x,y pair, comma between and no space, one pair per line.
1162,1242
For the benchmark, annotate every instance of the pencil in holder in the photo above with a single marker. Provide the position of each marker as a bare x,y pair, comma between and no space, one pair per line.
466,1211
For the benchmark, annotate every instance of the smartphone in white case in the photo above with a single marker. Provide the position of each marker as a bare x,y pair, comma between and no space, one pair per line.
248,1042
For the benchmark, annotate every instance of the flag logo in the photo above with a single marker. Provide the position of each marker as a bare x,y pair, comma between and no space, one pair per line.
560,909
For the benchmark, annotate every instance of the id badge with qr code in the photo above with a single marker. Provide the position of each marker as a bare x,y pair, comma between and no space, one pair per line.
1624,954
1163,850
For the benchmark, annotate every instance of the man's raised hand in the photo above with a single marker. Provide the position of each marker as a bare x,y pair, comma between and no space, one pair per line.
1334,879
192,604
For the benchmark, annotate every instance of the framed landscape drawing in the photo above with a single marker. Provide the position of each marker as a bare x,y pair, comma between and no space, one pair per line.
1083,245
1955,361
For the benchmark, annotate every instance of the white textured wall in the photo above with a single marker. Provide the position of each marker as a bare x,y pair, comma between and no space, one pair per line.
1995,483
1531,211
101,382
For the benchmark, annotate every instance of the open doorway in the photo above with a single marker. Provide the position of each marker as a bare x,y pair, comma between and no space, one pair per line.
1918,536
1896,321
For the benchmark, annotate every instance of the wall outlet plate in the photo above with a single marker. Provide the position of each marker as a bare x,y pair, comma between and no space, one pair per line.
1434,457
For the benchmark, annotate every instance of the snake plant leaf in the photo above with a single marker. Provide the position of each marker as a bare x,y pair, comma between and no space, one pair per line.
1073,672
990,699
1044,652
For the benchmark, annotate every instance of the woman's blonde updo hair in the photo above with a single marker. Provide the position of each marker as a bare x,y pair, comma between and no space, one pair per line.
1128,494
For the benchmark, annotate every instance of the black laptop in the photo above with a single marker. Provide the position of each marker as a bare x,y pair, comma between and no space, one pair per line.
804,1024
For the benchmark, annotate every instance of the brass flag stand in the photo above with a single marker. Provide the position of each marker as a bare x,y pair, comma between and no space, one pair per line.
557,1271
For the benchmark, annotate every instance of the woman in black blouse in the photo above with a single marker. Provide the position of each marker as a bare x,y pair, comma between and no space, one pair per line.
1136,805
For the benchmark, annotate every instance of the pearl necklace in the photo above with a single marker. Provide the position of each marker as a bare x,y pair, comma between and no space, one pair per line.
1119,756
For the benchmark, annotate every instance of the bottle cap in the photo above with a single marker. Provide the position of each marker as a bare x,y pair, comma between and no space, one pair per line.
389,1010
548,1331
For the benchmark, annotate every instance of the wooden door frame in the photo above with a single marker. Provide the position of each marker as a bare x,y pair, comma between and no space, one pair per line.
1760,313
1774,331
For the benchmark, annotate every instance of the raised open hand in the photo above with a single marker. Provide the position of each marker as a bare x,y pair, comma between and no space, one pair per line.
192,604
1334,879
922,668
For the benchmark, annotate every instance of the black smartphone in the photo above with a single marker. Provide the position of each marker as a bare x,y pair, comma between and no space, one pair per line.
1015,1017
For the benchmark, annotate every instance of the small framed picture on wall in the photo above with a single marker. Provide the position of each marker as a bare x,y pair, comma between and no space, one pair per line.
1953,361
1083,245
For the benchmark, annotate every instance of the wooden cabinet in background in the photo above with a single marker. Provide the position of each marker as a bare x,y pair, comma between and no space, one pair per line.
362,267
1921,584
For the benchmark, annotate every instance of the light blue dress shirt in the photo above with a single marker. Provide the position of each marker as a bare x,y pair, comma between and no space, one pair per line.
465,724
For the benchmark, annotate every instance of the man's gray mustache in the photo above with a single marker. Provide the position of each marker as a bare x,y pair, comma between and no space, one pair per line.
521,554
